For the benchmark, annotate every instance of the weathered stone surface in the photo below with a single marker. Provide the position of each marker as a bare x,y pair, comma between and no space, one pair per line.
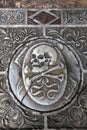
76,37
42,72
75,16
11,115
8,17
43,69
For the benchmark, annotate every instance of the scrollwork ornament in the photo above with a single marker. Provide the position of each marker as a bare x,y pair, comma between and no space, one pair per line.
76,38
82,98
10,115
59,118
77,117
14,118
5,103
10,39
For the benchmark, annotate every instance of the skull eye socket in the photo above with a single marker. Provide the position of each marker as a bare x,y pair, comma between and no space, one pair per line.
46,55
40,57
33,56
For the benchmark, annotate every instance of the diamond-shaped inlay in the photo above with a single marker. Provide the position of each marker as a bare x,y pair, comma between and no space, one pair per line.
44,17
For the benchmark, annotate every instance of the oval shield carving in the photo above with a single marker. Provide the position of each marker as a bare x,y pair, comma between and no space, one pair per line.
44,74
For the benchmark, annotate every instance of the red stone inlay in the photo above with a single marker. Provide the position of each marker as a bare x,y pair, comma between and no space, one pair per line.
31,13
58,21
44,17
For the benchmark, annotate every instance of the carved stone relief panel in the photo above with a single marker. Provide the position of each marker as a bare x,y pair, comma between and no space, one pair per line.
40,75
43,77
43,68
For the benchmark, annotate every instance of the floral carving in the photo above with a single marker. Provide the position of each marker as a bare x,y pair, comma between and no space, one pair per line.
10,39
75,37
14,118
10,115
77,117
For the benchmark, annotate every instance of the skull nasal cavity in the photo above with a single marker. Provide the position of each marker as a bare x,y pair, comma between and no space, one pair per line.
35,60
40,57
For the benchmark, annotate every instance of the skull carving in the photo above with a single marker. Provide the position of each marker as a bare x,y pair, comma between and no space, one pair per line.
42,57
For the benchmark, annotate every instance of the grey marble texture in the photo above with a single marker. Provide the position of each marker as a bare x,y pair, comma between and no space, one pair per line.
10,17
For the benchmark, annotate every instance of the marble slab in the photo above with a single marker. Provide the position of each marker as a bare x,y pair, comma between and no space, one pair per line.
43,69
